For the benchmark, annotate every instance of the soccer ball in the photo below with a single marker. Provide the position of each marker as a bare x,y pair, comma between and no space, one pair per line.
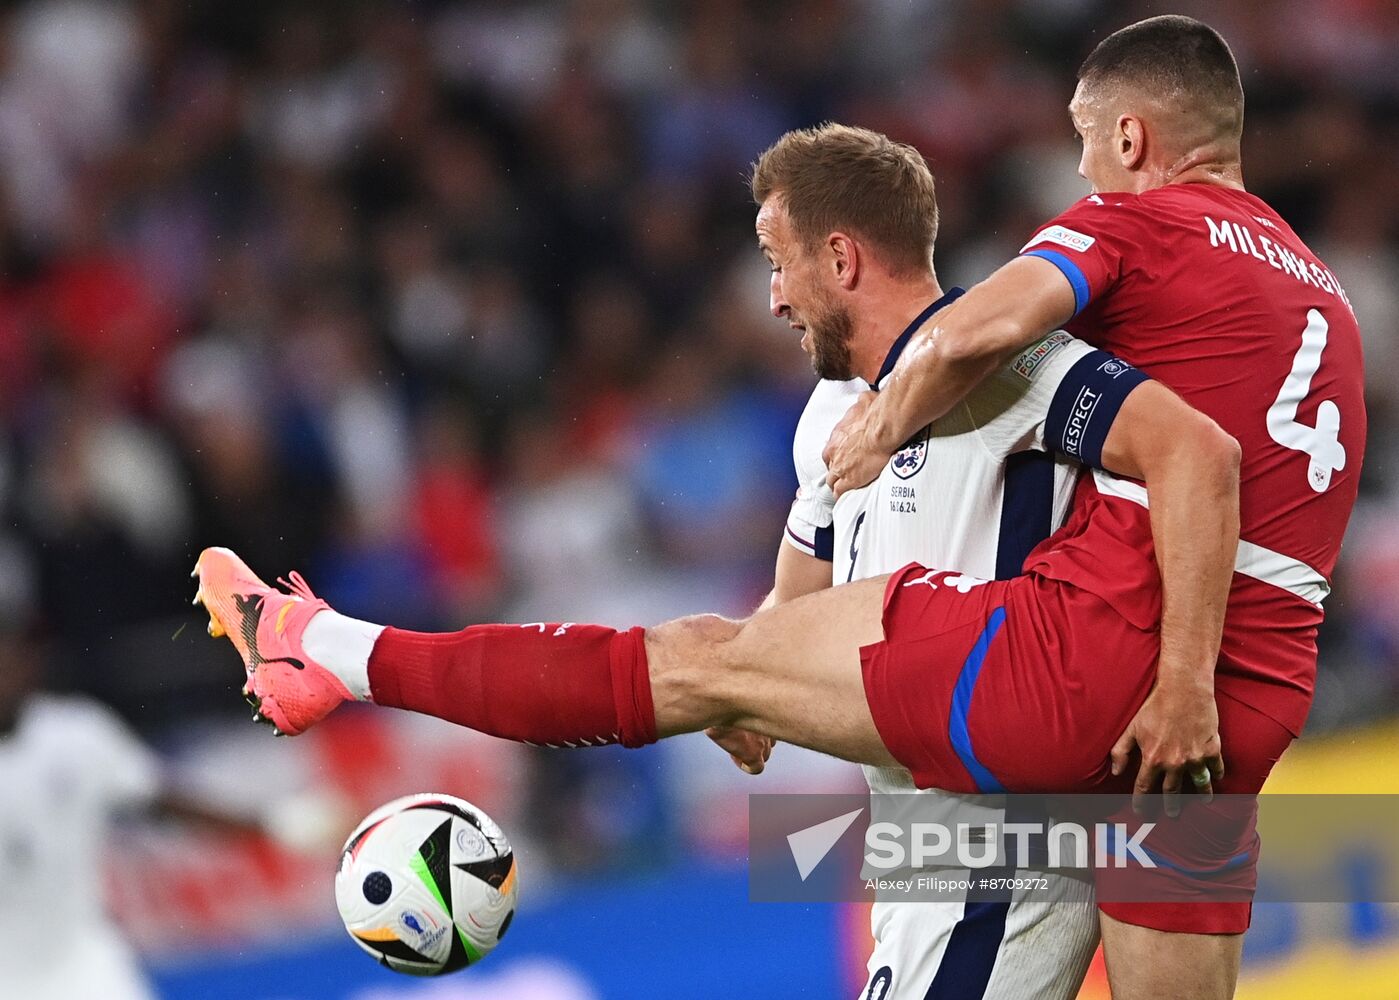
427,884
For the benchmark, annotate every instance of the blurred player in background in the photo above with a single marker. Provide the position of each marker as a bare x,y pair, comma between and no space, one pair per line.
1173,265
69,769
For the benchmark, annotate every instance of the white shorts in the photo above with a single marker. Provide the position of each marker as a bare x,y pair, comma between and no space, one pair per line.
1020,949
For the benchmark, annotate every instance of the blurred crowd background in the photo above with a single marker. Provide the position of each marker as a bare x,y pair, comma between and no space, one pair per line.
457,308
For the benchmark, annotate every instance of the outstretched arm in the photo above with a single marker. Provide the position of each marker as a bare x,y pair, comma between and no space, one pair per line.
1191,470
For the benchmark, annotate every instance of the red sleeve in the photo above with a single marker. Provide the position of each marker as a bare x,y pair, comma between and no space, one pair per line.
1092,244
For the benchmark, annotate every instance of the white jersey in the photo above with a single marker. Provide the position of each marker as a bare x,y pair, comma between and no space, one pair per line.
68,767
990,487
974,492
810,523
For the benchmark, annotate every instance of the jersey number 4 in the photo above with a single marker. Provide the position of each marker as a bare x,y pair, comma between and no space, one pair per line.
1320,443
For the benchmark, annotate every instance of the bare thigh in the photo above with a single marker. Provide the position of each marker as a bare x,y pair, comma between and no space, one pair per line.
792,672
1147,964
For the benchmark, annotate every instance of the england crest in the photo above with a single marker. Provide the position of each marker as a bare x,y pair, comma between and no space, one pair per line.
910,458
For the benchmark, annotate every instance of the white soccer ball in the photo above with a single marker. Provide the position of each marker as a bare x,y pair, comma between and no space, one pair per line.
427,884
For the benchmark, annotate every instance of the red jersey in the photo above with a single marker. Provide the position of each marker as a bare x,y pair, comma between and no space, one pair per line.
1208,290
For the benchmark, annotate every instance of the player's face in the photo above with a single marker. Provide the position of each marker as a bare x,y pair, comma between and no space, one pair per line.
1096,126
800,292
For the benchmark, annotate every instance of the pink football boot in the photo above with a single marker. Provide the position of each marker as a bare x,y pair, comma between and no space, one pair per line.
286,688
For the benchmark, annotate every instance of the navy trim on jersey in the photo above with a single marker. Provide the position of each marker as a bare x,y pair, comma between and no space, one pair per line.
1070,270
965,969
897,348
1086,404
822,544
957,729
1027,509
809,546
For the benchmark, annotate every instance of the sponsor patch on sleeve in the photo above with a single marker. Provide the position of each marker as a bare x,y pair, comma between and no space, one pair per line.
1064,237
1028,360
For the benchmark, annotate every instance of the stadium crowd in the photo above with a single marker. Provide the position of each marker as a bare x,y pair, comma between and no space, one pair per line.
456,307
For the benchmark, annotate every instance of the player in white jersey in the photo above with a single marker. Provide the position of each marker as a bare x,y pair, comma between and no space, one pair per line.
976,491
67,767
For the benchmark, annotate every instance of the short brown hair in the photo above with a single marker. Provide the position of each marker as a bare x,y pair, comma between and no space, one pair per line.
1176,55
840,177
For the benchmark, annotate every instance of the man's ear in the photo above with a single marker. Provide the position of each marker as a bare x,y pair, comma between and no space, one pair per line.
1130,137
844,255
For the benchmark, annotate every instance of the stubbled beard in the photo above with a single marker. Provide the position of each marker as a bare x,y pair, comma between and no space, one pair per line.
831,333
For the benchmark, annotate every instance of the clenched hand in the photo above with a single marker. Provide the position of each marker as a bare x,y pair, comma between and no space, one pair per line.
1177,731
851,459
750,751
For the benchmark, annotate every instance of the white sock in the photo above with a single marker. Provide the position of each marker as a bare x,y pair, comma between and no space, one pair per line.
342,645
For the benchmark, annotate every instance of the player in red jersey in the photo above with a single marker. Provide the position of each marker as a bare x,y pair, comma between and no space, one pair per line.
1173,266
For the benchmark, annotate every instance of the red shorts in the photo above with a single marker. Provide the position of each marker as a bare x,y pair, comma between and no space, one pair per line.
1025,685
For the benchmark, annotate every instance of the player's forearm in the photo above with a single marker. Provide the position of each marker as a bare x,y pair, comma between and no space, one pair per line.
937,370
1194,496
964,343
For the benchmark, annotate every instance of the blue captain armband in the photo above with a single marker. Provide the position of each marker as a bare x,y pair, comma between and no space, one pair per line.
1086,404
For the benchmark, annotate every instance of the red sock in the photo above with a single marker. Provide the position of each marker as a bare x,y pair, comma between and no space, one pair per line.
551,684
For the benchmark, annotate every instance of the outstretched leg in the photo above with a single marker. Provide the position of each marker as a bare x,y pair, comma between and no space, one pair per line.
792,672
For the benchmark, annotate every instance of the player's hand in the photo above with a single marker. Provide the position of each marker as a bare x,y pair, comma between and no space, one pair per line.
1177,731
851,460
750,751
